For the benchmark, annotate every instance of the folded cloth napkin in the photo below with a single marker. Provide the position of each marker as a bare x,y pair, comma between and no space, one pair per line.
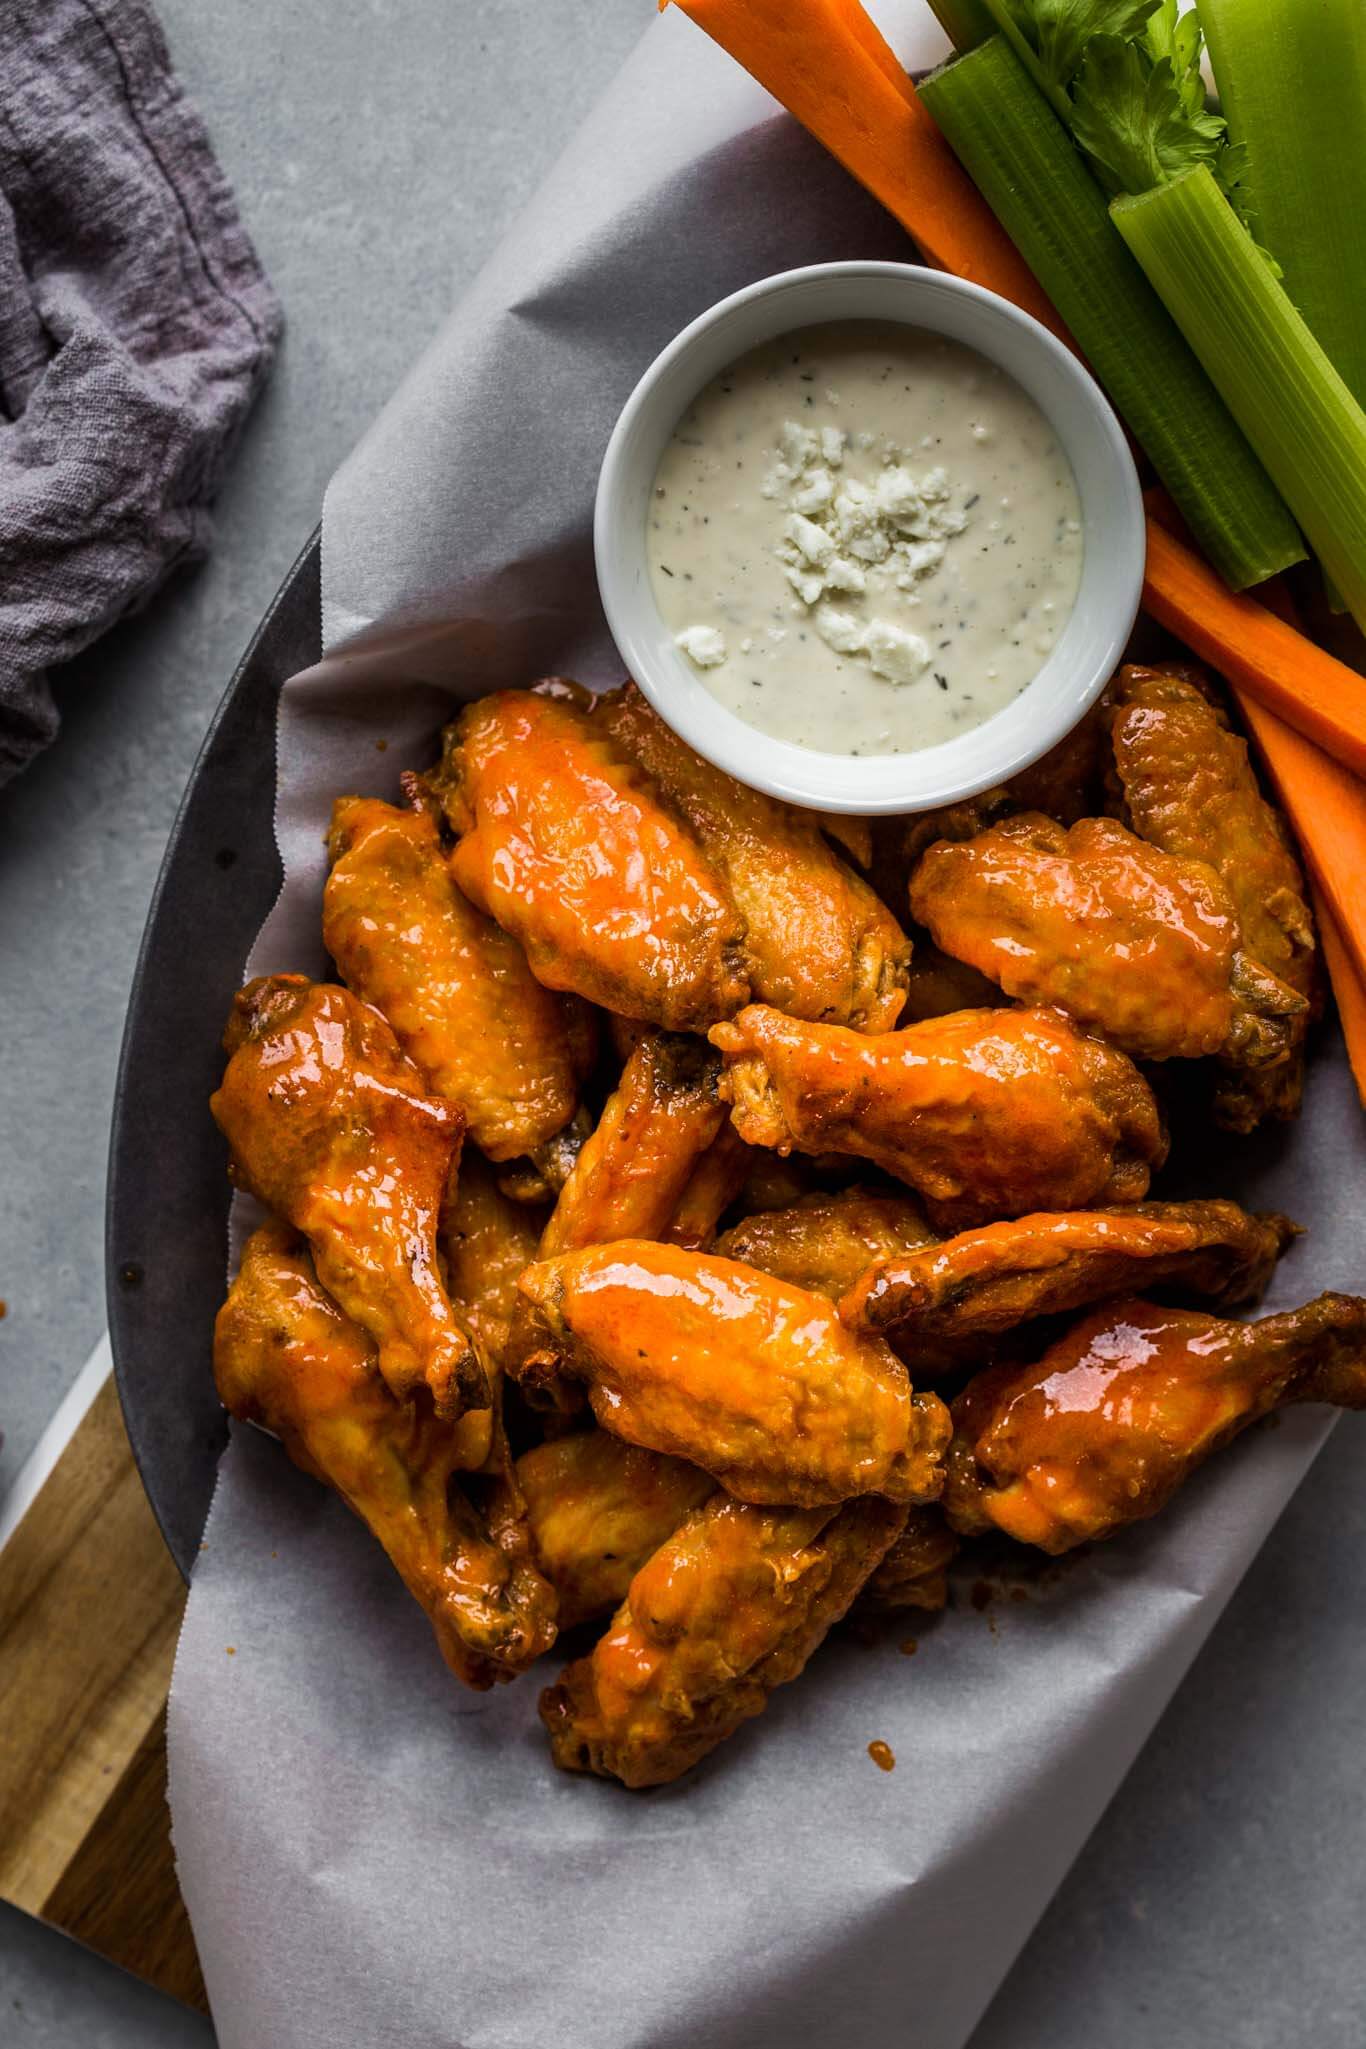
136,325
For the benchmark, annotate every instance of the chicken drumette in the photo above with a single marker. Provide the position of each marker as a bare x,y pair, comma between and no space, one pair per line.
330,1127
987,1113
732,1606
598,1509
1135,942
949,1300
565,843
287,1357
757,1382
1185,783
457,991
1104,1428
820,943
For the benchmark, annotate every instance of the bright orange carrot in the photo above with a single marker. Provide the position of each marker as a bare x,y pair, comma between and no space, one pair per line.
1349,990
831,71
866,31
1308,688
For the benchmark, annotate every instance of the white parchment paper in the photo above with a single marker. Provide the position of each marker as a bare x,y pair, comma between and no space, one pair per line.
375,1859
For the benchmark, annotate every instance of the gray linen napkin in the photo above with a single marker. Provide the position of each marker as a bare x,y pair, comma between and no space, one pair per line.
136,325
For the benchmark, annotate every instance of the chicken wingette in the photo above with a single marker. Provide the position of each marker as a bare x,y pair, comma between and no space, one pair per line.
819,943
757,1382
714,1184
657,1125
732,1606
568,847
488,1241
1185,782
598,1508
915,1571
986,1113
948,1298
655,1128
1139,944
457,991
1104,1428
827,1242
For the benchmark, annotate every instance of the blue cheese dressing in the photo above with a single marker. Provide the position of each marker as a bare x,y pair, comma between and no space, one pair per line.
864,538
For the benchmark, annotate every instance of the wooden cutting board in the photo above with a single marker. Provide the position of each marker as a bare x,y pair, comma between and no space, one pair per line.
90,1607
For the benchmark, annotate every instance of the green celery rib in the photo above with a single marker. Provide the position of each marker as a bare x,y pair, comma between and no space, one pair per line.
1291,76
1008,24
966,23
1024,163
1292,83
1276,379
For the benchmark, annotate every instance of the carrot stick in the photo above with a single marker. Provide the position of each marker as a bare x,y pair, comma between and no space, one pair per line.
866,32
1264,656
832,74
1349,990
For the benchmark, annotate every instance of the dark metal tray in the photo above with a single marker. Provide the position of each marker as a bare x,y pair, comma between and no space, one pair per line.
166,1219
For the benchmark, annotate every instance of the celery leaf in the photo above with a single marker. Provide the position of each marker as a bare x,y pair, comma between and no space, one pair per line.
1129,117
1124,75
1178,38
1059,30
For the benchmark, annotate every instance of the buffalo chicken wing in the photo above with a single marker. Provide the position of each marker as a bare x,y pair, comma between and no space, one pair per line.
329,1125
1105,1427
565,843
955,1295
732,1606
819,943
488,1242
285,1356
598,1509
915,1571
825,1242
457,991
987,1113
757,1382
1134,942
656,1127
1186,783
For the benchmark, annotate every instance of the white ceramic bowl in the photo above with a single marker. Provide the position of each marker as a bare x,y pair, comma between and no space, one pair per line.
1112,519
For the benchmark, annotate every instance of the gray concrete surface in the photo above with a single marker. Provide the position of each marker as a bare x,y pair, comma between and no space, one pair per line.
378,148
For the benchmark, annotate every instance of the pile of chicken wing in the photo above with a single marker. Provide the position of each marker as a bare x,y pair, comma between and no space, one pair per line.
686,1229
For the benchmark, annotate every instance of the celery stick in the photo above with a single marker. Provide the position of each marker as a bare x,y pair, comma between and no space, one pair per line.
1023,162
1292,81
1007,21
1276,379
966,23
